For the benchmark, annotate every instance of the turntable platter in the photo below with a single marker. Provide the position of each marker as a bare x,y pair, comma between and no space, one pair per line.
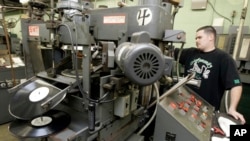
26,103
49,123
72,73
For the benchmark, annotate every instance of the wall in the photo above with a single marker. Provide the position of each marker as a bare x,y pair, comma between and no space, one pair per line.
14,16
189,20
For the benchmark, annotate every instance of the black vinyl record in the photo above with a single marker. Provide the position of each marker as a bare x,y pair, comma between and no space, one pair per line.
49,123
26,103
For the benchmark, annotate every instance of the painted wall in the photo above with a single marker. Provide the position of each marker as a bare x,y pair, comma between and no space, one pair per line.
189,20
14,17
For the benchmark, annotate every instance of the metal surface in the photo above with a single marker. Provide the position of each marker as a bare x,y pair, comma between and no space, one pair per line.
5,97
115,53
151,18
30,41
188,117
143,63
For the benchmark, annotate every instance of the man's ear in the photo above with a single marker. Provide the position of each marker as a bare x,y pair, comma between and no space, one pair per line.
211,37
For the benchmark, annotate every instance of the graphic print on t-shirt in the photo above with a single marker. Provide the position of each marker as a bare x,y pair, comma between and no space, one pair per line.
201,67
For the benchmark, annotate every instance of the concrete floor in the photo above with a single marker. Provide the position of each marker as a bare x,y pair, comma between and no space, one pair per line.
5,135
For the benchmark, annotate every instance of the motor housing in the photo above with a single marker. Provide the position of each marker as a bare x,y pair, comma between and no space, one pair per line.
142,63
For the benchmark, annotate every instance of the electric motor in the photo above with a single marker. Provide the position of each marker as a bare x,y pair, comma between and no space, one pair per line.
142,63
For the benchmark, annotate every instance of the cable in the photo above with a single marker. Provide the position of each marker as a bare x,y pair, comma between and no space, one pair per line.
177,62
218,12
154,114
226,100
77,76
73,53
174,13
84,94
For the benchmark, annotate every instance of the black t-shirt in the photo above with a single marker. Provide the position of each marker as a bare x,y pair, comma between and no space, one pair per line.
215,69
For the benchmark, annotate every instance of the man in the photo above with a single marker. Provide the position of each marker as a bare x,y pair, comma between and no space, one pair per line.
215,69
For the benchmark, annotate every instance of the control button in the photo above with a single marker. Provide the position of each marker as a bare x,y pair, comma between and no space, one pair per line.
201,127
189,101
172,106
192,98
194,112
182,112
196,108
205,109
186,105
198,103
181,105
203,116
192,117
185,108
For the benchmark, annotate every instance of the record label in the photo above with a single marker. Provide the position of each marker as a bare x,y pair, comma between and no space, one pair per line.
27,102
41,121
39,94
49,123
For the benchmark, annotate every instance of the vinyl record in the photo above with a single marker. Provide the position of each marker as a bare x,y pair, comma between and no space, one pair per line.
26,103
49,123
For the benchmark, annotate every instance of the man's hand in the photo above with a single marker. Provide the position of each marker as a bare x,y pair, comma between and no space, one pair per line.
237,116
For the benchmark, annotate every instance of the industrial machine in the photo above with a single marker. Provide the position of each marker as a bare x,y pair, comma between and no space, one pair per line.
188,117
95,74
103,62
12,70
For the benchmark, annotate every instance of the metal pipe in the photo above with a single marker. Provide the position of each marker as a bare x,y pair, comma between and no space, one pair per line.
242,20
52,38
2,19
174,88
11,7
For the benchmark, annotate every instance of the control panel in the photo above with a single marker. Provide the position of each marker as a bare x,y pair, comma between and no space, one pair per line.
186,116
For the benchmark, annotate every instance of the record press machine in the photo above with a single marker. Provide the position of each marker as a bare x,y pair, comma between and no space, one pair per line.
93,73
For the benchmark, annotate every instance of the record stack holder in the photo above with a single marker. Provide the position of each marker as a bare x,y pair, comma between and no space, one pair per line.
32,106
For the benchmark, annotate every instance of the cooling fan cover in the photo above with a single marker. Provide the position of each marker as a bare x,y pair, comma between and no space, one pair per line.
142,63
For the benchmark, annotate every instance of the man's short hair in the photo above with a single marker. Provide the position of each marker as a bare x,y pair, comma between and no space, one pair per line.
208,29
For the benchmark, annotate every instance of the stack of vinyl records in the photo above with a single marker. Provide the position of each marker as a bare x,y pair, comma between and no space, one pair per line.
33,120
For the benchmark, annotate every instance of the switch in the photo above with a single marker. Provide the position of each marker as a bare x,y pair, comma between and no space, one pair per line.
172,106
193,117
203,116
